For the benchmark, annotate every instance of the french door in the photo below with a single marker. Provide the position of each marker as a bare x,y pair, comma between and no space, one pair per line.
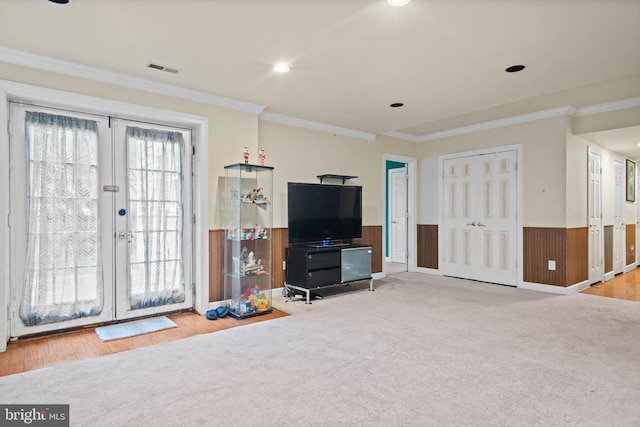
479,217
99,215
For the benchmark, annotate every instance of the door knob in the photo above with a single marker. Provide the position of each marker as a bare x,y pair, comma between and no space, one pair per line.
472,224
480,224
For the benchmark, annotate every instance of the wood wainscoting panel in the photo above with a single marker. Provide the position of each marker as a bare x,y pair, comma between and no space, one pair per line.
630,242
428,245
567,247
608,248
280,241
541,245
216,265
577,255
372,235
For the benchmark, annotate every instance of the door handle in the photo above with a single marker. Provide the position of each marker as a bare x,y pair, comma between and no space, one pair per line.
472,224
480,224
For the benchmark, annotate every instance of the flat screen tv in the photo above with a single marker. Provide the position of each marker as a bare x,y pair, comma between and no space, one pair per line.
323,214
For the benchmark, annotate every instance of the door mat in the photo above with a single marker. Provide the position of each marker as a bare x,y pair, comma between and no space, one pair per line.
137,327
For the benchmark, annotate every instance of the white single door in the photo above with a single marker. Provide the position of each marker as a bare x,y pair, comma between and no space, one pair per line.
480,227
596,242
98,220
398,214
619,237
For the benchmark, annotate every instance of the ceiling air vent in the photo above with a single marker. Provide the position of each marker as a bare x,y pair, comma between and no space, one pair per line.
163,68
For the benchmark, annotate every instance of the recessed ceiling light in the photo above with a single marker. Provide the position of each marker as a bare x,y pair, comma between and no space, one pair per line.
514,68
396,105
281,68
398,2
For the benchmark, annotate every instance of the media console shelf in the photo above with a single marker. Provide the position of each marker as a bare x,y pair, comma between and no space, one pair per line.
313,267
344,178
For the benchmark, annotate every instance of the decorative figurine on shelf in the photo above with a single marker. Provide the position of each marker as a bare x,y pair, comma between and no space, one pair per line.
262,156
245,154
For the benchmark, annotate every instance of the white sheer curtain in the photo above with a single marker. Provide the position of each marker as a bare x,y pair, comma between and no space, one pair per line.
63,273
155,183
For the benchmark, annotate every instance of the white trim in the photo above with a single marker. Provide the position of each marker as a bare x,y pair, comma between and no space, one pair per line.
608,276
630,267
4,221
608,106
377,276
552,289
308,124
412,242
54,98
402,135
17,57
507,121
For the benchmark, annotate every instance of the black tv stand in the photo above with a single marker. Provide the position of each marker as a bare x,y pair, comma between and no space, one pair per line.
311,267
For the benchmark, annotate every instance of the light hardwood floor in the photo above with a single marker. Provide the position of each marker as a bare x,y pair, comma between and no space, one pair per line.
623,286
33,353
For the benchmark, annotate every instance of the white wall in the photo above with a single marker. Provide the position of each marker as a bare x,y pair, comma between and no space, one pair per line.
544,165
300,155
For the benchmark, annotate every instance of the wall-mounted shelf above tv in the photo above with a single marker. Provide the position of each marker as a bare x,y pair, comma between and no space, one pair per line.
344,178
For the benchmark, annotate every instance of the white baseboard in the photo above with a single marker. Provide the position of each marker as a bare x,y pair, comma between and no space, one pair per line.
608,276
630,267
560,290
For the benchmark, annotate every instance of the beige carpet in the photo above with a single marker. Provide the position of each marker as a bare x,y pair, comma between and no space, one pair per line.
419,351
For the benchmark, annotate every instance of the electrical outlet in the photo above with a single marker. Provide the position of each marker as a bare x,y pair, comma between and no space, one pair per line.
552,265
284,265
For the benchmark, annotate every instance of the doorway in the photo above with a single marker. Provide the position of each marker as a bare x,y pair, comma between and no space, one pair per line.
399,231
396,248
99,207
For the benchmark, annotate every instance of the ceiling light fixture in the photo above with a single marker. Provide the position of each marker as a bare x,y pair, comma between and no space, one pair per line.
514,68
398,2
281,68
396,105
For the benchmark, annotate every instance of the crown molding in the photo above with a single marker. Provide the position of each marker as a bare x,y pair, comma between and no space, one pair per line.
608,106
507,121
402,135
18,57
308,124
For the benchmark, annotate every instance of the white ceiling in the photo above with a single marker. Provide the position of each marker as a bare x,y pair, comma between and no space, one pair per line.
350,59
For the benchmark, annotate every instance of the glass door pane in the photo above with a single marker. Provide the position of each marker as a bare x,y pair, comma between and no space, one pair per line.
61,233
152,208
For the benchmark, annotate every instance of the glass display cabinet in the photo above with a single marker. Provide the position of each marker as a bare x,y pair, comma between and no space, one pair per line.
248,216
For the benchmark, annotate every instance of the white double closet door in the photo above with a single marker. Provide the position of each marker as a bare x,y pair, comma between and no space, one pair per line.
99,215
479,217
